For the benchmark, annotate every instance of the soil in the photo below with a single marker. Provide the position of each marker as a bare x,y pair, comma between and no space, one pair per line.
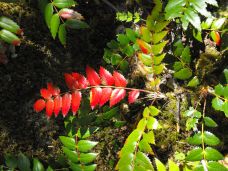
40,59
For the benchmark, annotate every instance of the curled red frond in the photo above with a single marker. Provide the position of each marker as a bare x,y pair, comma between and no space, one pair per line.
69,79
52,89
45,93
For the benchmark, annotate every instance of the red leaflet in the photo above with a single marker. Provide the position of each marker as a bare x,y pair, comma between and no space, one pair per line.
45,93
217,38
57,105
120,81
53,90
106,77
143,46
16,42
105,96
116,96
69,79
95,96
49,107
132,96
39,105
92,76
83,82
76,100
66,103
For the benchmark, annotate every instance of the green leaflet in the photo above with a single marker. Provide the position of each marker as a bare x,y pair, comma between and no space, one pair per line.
158,48
23,162
131,34
174,9
157,37
160,166
217,104
71,155
158,59
207,24
87,157
213,154
62,34
209,122
173,166
183,74
143,161
64,3
9,37
54,26
144,146
37,165
48,12
79,167
157,9
68,142
9,25
195,155
193,18
76,24
86,145
123,39
186,56
11,161
193,82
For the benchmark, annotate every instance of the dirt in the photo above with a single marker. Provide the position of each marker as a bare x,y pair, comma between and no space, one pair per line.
41,59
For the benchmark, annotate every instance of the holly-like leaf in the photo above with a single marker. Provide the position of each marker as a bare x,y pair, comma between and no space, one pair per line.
48,14
195,155
193,82
64,3
217,103
116,96
62,34
76,100
133,95
54,25
57,105
95,96
157,37
213,154
66,103
49,107
145,34
146,59
39,105
86,145
106,77
120,81
105,96
9,37
209,122
143,162
92,76
183,74
45,93
158,48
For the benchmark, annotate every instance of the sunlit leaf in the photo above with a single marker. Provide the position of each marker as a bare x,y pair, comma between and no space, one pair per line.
72,155
217,103
195,155
146,59
143,160
157,37
86,145
158,48
217,24
210,139
213,154
106,77
160,166
87,157
68,142
173,166
174,9
193,18
145,34
209,122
